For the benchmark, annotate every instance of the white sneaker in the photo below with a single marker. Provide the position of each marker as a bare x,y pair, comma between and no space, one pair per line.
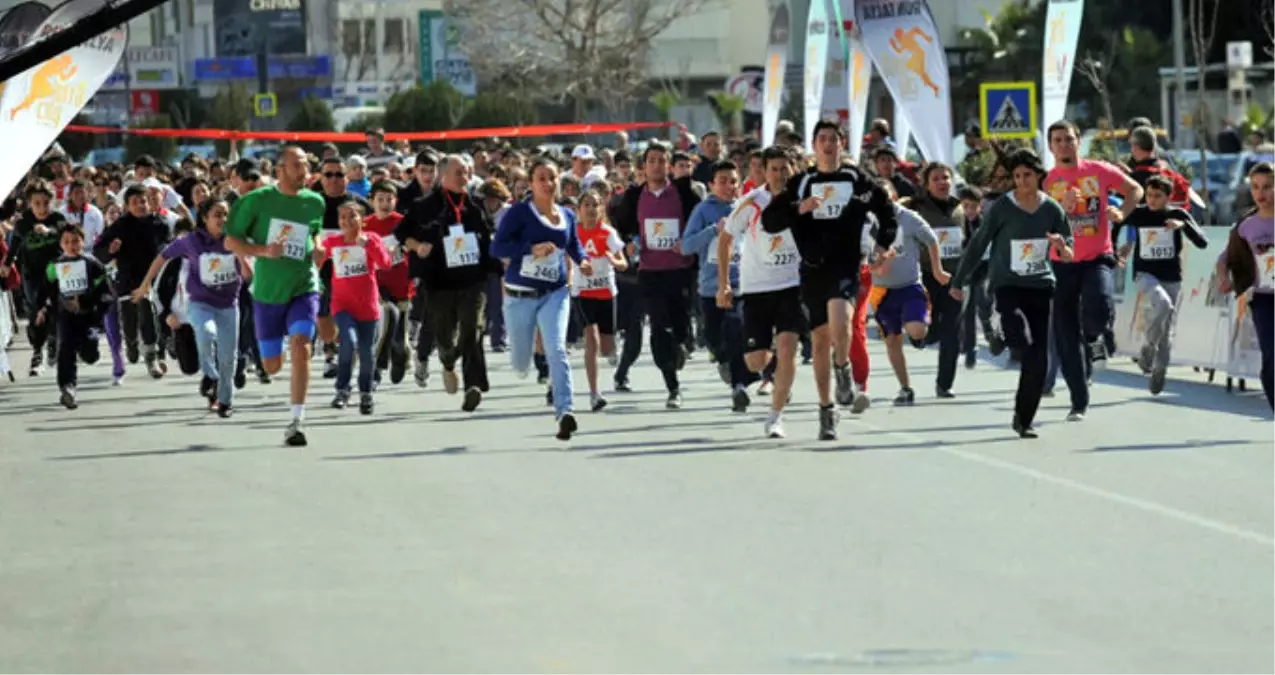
522,374
764,388
775,425
1075,416
861,402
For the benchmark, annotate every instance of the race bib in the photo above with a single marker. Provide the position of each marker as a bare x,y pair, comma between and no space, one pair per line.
112,271
951,240
1155,244
547,268
292,236
602,279
462,250
662,234
780,251
392,245
1030,257
73,277
713,257
349,261
217,269
835,197
1266,269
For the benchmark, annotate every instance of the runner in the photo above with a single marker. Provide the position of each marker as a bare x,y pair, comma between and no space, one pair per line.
1084,301
395,282
935,203
595,293
279,226
35,244
1157,270
1248,264
978,303
449,232
336,192
75,289
723,327
769,286
827,208
213,307
655,214
356,256
898,296
1021,228
532,240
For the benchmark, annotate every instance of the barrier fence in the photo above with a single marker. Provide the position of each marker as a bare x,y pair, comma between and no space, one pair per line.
1212,330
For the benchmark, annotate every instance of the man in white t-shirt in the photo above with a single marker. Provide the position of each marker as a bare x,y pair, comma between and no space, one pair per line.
769,285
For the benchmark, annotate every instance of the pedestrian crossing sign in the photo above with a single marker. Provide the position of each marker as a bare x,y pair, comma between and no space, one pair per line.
265,105
1007,109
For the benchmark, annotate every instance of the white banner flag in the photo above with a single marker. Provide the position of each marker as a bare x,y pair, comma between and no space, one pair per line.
38,103
903,41
1062,32
776,65
817,34
860,77
902,130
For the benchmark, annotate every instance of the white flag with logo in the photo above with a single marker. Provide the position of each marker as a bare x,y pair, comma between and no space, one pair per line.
776,65
860,77
902,130
38,103
816,66
1062,32
903,41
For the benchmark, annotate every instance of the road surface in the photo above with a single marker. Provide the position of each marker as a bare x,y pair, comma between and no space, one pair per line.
141,534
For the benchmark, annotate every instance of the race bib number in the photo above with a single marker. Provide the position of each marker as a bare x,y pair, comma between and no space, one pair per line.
1030,257
392,245
662,234
462,250
547,268
780,251
835,197
292,236
349,261
602,279
951,240
1155,244
73,277
713,256
1266,269
217,269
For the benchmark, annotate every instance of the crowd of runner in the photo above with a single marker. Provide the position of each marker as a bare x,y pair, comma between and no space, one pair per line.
762,257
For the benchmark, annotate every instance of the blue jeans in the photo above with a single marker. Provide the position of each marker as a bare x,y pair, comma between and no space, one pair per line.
550,313
217,339
355,334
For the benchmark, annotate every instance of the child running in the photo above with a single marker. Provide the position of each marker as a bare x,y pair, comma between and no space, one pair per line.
595,293
76,293
356,257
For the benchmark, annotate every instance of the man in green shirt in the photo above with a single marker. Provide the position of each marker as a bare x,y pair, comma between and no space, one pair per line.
1024,227
279,226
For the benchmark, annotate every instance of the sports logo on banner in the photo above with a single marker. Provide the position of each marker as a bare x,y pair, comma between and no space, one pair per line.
817,35
860,83
1062,32
38,103
903,42
776,64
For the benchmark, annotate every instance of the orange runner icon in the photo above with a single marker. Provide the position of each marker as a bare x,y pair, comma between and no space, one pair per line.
43,86
907,42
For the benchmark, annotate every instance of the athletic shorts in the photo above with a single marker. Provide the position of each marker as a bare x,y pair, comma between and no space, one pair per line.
770,313
274,323
818,288
597,312
899,306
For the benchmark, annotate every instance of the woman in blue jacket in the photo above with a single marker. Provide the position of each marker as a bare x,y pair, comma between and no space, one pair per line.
531,241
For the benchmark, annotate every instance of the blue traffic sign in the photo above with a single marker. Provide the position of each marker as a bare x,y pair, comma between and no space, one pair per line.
1008,109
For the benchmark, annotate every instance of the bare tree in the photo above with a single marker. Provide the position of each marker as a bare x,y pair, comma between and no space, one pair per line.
586,51
1201,25
1268,24
1095,72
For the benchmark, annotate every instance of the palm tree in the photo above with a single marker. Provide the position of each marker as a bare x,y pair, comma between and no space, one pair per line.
728,107
1006,48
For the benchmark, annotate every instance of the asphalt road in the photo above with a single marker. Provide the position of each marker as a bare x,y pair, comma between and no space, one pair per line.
141,534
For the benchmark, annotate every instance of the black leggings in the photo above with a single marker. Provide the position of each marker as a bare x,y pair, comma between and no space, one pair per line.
1025,323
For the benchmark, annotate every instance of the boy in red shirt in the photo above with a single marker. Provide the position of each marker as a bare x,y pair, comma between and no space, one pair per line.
397,289
356,301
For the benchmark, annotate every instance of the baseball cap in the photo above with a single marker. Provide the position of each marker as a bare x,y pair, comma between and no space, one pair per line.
583,152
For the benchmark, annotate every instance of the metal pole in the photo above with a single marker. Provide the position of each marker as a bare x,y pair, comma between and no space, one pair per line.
128,92
1179,67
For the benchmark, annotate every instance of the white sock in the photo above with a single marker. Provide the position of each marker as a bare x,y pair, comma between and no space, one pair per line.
298,411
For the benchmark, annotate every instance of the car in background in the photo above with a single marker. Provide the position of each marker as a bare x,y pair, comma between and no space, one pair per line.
1224,180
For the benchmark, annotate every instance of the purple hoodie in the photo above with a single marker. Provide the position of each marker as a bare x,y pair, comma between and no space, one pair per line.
214,278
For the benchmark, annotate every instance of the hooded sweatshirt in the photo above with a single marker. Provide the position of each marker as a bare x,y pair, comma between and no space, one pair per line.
701,240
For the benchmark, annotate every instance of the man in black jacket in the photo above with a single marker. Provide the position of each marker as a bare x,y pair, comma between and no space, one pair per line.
132,242
454,296
655,215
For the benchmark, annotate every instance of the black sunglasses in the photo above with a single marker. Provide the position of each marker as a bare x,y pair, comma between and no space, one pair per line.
333,174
